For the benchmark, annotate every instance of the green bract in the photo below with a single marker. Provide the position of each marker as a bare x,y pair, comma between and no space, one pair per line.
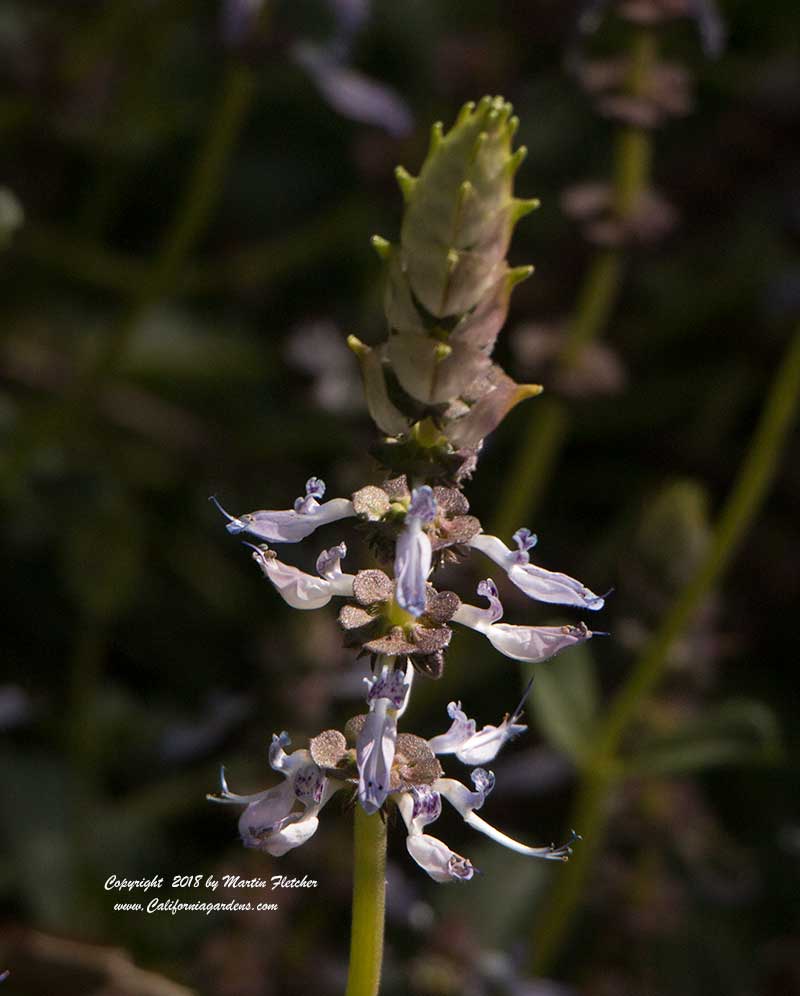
448,288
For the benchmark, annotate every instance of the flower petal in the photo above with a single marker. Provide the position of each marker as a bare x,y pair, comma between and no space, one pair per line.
375,749
486,744
290,525
553,587
481,619
272,808
413,553
461,729
545,586
551,853
460,797
279,760
293,833
481,747
436,858
535,643
329,562
298,589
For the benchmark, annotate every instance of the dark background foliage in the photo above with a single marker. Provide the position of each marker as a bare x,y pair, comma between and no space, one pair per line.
147,364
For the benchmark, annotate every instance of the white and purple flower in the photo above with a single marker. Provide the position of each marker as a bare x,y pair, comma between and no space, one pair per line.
530,644
536,582
477,747
294,524
412,562
375,746
271,821
301,590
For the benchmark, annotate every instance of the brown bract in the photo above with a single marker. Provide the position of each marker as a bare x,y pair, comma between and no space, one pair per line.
372,624
451,527
328,748
414,761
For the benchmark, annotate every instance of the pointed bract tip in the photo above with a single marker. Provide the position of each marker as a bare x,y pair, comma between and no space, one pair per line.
381,246
503,111
513,125
437,136
465,112
524,207
528,391
405,181
517,159
518,274
357,346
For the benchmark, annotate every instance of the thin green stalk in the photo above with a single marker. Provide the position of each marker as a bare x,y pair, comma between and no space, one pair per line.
531,469
369,902
549,423
189,221
538,452
591,807
194,210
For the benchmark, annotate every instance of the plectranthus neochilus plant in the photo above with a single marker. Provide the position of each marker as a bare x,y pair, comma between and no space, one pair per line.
435,394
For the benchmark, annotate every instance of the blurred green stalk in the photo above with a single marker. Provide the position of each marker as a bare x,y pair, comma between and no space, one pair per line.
196,205
548,425
605,768
197,202
369,902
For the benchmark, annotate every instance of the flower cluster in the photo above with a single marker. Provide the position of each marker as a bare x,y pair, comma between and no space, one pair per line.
401,622
372,758
435,393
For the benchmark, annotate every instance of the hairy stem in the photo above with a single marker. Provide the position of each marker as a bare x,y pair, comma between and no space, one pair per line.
591,806
369,901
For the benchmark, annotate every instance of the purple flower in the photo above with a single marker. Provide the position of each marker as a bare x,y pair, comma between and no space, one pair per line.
536,582
271,821
522,643
290,525
301,590
412,562
477,747
375,746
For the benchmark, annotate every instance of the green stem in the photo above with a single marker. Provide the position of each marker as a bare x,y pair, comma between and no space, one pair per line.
369,901
591,807
194,210
540,448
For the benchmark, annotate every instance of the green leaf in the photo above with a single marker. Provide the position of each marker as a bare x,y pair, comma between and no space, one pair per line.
564,701
740,731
